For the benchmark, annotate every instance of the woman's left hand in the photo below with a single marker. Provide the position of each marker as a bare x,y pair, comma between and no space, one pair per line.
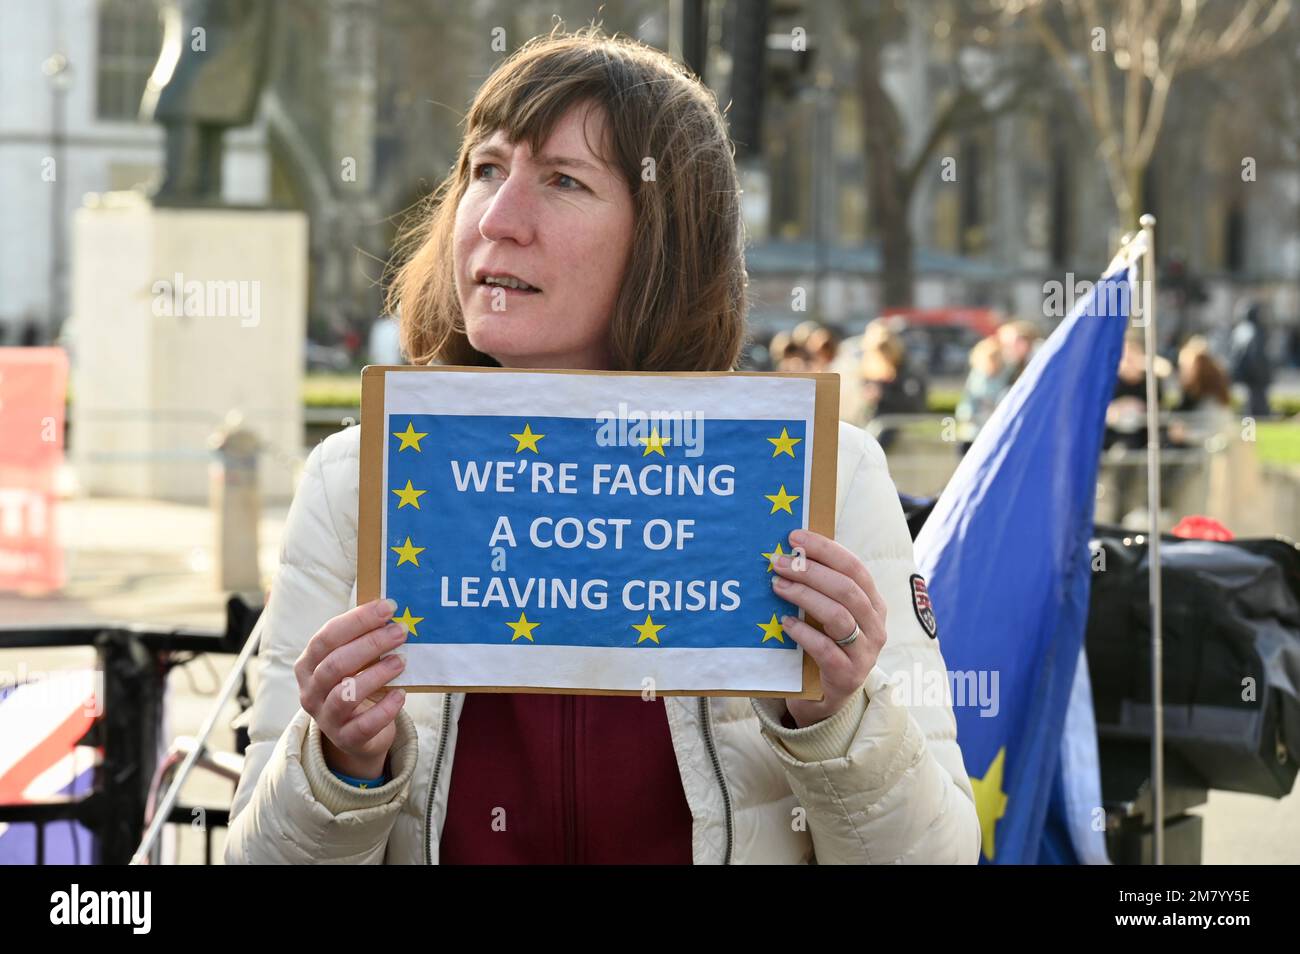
833,586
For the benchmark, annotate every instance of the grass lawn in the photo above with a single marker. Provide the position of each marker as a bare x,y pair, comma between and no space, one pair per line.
1278,442
332,390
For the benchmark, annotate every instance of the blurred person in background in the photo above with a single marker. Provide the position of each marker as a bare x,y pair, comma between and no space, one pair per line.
786,354
848,358
996,363
985,386
1017,340
1248,357
803,331
1203,412
886,382
1205,408
821,347
1126,428
1126,422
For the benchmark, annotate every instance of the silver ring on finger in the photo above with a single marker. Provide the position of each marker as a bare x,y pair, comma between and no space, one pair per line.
849,639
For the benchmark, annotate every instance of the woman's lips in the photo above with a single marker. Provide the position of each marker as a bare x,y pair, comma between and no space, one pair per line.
491,291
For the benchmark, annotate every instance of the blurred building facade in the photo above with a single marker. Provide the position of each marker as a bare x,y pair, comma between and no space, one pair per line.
1027,201
363,119
71,76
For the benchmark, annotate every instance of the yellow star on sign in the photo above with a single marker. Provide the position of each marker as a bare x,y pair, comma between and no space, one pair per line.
771,557
990,800
409,437
654,444
527,440
409,495
522,628
648,630
407,553
782,501
771,629
409,621
784,444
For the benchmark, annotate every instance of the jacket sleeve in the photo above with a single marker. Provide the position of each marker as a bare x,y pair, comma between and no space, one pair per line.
883,780
288,808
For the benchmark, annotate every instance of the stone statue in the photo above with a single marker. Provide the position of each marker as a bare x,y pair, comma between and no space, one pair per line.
208,78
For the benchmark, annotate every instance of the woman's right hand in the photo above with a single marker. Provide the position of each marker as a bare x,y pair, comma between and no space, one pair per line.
341,685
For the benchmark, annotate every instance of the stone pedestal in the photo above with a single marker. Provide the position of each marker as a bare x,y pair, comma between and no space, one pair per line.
179,317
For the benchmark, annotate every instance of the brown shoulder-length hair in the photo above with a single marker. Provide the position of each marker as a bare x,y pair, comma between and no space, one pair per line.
1202,376
682,302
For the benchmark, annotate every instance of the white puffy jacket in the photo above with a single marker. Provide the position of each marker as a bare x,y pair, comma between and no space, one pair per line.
879,782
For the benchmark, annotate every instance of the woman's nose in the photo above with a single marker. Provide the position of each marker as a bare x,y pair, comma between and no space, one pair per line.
510,214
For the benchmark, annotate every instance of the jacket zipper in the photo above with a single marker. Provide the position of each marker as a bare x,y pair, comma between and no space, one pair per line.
433,786
706,720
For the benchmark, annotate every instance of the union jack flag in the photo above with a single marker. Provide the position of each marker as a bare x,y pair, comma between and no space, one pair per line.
41,723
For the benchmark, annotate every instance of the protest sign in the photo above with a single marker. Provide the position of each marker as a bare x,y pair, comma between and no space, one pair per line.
604,532
33,394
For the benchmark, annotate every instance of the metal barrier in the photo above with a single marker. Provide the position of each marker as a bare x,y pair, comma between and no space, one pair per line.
924,450
134,661
188,750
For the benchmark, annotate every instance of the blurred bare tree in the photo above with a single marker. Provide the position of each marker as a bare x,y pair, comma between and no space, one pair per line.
1120,59
987,71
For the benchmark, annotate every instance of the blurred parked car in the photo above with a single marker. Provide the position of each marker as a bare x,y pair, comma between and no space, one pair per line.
939,340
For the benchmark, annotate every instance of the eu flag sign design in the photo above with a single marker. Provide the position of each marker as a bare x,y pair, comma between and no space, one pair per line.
1006,553
589,531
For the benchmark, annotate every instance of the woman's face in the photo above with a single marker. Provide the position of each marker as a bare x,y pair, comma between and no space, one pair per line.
559,221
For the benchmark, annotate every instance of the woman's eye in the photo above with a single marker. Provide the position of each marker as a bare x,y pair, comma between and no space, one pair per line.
567,182
479,170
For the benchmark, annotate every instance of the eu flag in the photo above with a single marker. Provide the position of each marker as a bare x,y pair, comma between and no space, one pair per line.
1006,553
583,526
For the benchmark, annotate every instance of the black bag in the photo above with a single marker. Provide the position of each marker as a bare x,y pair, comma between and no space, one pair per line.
1231,654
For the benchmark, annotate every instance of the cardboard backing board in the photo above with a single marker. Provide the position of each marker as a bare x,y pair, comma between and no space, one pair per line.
370,544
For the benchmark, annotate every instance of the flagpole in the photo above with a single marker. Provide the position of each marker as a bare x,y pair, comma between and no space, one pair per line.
1148,299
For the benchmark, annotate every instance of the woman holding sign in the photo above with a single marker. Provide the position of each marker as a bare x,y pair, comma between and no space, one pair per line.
592,221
